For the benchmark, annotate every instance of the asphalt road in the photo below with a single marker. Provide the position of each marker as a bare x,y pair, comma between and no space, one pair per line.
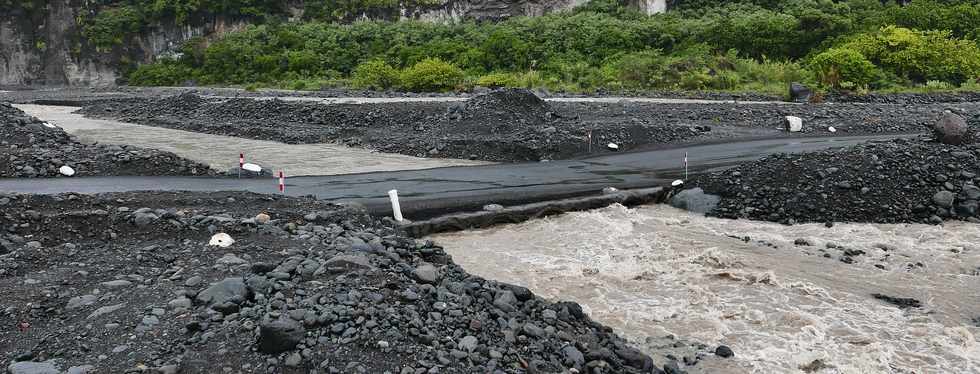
426,193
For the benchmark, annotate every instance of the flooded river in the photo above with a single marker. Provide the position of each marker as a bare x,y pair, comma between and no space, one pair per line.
221,152
780,296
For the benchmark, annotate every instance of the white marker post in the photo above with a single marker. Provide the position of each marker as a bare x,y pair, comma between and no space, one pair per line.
685,166
241,164
282,182
590,140
395,206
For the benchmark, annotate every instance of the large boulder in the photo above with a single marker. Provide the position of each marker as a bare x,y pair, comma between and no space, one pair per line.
943,199
952,129
231,290
280,335
799,93
793,124
695,200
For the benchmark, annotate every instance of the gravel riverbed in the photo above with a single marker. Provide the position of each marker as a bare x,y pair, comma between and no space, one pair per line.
32,148
512,125
904,180
127,282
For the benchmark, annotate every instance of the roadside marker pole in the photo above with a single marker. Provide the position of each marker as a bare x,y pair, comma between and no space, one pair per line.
685,166
241,164
395,206
590,140
282,182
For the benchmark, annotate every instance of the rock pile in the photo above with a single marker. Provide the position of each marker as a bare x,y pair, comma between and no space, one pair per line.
32,148
515,106
125,283
909,180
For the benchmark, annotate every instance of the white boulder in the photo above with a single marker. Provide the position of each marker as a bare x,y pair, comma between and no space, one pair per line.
66,171
794,124
252,167
221,240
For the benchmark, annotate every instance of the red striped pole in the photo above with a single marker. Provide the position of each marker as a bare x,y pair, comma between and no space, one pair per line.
282,182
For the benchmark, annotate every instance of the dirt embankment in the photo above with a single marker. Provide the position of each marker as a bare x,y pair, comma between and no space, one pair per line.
33,148
126,282
508,125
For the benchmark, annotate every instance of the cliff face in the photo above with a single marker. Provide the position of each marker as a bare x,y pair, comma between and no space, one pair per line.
44,46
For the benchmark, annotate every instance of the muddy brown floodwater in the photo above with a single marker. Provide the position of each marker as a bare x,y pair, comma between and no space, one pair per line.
782,307
221,152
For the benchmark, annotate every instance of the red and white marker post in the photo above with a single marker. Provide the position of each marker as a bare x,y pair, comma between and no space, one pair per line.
282,182
241,164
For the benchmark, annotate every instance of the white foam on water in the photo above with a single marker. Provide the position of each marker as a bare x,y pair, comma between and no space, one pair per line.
656,270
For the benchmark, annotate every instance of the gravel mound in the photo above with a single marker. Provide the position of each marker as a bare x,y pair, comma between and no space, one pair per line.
31,148
909,180
507,105
125,283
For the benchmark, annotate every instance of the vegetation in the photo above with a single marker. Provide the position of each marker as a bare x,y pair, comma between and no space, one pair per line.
757,45
375,74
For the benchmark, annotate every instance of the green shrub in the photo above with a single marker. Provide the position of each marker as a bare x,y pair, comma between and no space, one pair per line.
971,85
375,74
162,73
959,18
495,80
758,33
110,26
844,68
920,56
431,74
938,86
639,69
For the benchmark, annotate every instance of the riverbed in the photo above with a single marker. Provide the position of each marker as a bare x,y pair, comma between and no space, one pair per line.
221,152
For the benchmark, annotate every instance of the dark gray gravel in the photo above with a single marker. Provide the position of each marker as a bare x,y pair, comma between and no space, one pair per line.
125,283
29,148
511,125
914,180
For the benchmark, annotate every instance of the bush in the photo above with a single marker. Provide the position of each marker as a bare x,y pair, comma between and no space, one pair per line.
844,68
920,56
496,80
162,73
639,69
431,74
375,74
960,19
110,26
